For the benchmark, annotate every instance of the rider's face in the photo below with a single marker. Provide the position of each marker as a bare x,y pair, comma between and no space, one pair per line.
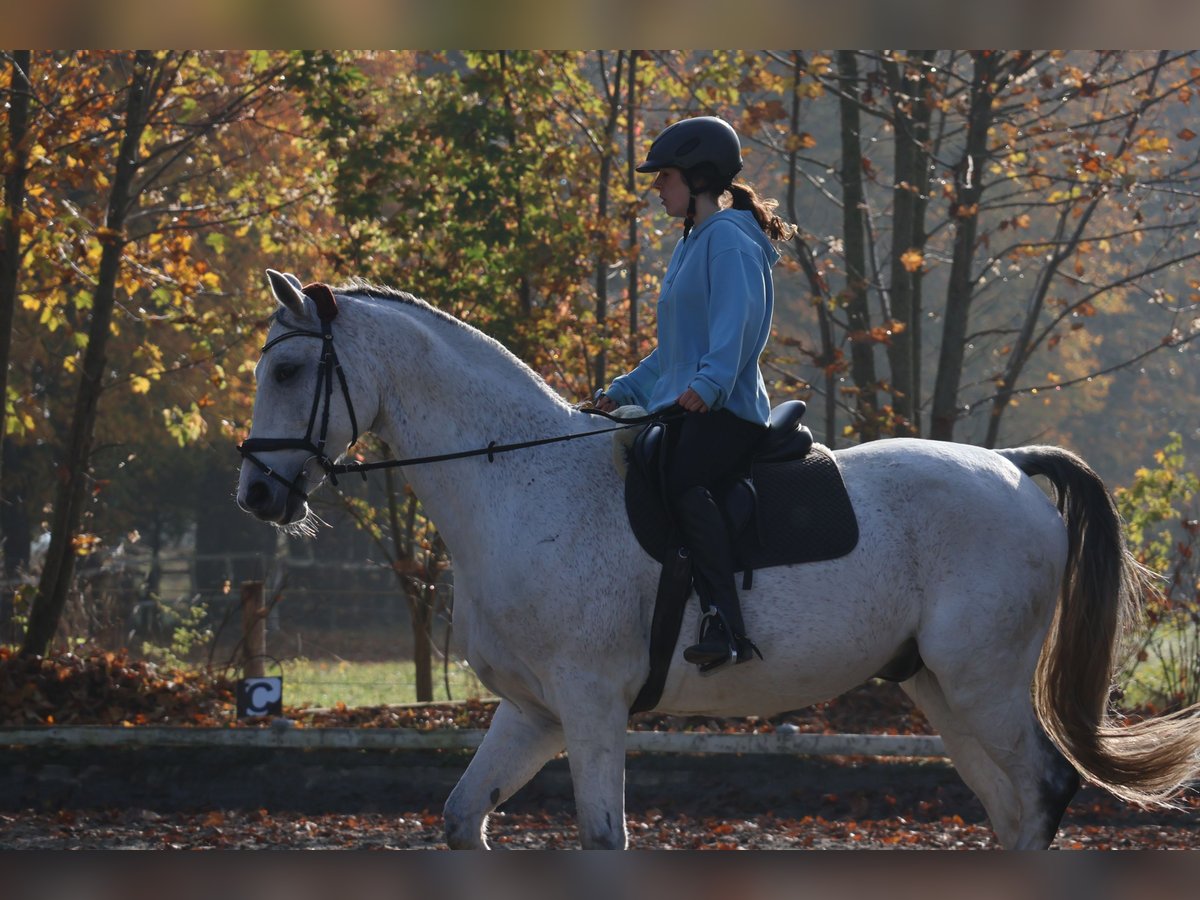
673,192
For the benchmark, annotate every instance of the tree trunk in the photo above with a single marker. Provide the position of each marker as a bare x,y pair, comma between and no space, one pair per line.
968,183
72,470
10,228
14,510
631,161
910,117
818,289
17,529
603,258
525,286
1025,344
419,604
862,349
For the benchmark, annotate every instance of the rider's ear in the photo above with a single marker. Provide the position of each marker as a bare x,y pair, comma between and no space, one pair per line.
286,289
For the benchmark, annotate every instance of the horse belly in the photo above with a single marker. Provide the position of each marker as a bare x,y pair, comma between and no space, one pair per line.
923,555
823,629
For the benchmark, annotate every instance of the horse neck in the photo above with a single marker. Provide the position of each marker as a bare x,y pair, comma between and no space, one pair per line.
446,387
463,385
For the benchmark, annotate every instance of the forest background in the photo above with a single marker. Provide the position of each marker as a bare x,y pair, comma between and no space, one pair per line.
995,247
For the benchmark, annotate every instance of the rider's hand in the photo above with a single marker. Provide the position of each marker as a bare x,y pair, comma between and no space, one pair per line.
692,402
605,403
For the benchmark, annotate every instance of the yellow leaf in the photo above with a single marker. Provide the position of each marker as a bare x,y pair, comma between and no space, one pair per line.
139,384
912,260
801,141
84,544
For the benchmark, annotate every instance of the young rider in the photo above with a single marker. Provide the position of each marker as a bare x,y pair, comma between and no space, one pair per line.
714,318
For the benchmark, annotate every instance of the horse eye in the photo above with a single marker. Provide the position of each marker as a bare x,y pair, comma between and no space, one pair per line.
284,371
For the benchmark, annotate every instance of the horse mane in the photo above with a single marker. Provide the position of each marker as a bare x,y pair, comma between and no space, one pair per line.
357,285
362,288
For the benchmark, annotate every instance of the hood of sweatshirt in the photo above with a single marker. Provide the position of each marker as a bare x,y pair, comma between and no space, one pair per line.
744,219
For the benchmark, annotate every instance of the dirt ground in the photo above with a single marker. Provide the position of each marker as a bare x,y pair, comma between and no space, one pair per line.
828,804
648,830
156,799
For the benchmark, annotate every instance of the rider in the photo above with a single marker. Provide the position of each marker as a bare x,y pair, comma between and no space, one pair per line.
714,318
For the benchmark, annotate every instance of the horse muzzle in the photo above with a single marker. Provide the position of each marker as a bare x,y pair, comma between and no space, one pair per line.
270,500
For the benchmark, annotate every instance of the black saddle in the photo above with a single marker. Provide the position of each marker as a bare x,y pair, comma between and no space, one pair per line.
789,506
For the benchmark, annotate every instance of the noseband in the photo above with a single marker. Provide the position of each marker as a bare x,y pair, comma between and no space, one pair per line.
327,311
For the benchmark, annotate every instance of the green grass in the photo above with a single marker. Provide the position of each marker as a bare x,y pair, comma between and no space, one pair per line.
325,683
1171,659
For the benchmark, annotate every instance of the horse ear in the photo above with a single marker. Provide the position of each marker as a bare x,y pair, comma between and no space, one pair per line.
286,289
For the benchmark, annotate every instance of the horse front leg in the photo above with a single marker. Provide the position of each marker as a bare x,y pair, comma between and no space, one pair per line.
514,749
595,733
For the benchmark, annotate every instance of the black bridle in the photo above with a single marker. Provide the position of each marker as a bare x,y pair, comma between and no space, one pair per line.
329,366
326,368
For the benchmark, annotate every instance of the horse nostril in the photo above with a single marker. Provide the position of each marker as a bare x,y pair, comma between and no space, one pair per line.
257,495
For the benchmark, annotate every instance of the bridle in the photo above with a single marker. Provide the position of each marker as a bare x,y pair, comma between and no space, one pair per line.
327,311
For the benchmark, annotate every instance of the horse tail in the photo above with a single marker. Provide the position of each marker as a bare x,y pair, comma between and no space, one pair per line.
1103,591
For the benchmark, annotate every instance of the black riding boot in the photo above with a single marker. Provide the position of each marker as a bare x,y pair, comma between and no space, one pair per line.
722,632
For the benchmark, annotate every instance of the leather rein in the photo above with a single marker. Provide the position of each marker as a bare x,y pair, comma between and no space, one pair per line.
329,367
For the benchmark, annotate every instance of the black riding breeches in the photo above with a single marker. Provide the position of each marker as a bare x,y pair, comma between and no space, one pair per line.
703,448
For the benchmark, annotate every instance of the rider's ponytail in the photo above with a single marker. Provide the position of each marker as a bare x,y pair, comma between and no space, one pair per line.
704,178
745,197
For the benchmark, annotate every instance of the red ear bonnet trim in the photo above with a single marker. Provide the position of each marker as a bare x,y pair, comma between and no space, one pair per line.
321,295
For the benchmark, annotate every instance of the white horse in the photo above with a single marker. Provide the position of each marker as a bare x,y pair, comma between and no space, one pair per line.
1015,608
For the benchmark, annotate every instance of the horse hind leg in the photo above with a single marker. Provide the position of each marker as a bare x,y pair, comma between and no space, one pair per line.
1002,753
514,749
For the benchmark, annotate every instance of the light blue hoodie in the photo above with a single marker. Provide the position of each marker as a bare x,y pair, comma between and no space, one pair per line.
714,318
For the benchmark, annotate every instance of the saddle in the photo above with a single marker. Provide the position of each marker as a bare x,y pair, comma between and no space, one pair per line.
788,506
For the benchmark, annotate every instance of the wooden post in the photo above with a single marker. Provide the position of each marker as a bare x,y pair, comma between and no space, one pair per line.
254,629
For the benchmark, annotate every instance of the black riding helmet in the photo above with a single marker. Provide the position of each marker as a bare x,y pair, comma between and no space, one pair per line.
701,148
692,142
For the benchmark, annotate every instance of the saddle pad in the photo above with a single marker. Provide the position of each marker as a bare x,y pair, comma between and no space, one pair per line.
803,514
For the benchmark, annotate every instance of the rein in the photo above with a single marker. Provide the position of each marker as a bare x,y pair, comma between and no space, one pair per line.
329,365
490,451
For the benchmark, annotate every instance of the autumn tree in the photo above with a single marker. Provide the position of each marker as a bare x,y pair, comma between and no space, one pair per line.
909,90
983,233
16,156
59,567
119,131
15,171
489,184
1036,193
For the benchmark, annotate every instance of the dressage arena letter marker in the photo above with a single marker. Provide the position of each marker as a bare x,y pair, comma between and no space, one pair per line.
257,697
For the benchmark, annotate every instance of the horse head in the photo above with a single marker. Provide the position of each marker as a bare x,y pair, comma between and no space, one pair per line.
304,413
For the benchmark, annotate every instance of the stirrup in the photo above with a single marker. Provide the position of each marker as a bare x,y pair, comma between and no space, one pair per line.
716,649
